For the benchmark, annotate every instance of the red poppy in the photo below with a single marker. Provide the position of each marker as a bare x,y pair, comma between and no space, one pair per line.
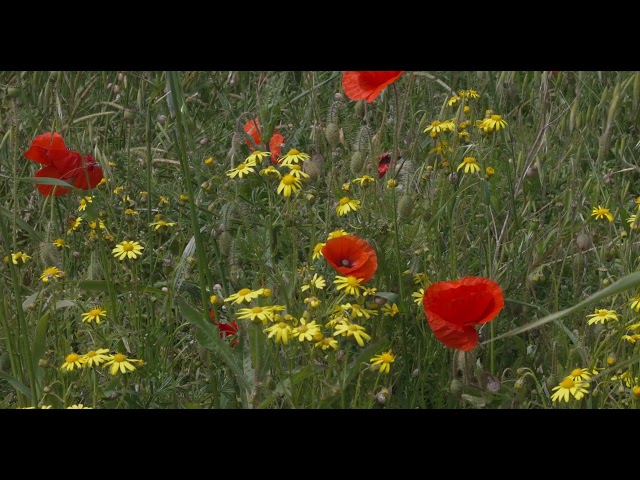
253,128
351,256
81,171
383,164
367,85
228,330
453,308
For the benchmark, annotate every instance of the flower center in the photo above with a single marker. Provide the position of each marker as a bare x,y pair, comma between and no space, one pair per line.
127,246
345,262
302,328
244,291
469,160
386,358
496,118
72,357
576,372
256,310
344,201
295,167
353,328
289,180
95,312
568,383
293,151
602,313
240,167
118,357
435,123
352,281
91,354
282,326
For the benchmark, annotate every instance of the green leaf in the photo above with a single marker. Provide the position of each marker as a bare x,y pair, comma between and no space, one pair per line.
103,286
21,223
625,283
209,337
391,297
46,181
18,385
286,384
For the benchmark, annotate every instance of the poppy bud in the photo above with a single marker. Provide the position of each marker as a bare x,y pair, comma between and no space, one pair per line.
584,242
116,89
162,119
13,92
382,396
519,385
120,76
224,242
611,359
453,178
332,133
493,384
129,114
405,207
551,381
204,140
357,162
359,108
455,386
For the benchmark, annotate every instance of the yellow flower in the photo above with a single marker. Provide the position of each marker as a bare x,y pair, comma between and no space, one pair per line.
317,281
95,358
131,212
183,198
626,378
580,375
297,172
364,180
83,203
74,224
60,243
352,330
489,172
19,258
305,331
317,251
270,171
390,310
600,213
256,313
635,303
346,205
313,302
281,330
350,284
241,170
633,222
51,272
326,343
244,295
209,161
358,310
453,100
336,234
293,156
392,183
601,315
289,184
161,225
164,200
492,123
569,388
94,224
122,363
94,314
73,360
383,362
418,296
439,127
117,190
441,147
127,249
78,406
469,94
470,165
256,157
631,338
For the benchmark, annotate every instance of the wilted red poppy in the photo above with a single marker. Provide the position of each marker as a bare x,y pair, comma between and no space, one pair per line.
383,164
81,171
253,128
367,85
453,308
228,330
351,256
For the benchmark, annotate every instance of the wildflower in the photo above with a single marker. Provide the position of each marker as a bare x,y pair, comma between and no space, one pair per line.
358,332
317,251
568,388
256,157
420,278
626,378
94,314
390,310
489,172
359,311
392,183
439,127
631,338
95,224
297,172
492,123
209,161
313,302
384,163
441,148
270,171
266,292
83,203
19,258
370,291
327,342
350,284
256,313
600,213
51,272
453,100
131,212
470,165
305,331
632,221
161,225
362,85
228,330
418,296
382,362
364,180
252,128
73,360
120,362
74,224
281,330
469,94
580,375
244,295
293,156
635,302
317,281
118,189
466,109
601,315
241,170
336,234
94,358
127,249
80,171
351,255
60,243
453,308
289,184
183,198
346,205
78,406
164,200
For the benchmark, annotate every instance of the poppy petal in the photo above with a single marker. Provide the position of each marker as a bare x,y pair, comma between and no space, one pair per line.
351,255
252,127
86,180
367,85
275,146
46,190
383,164
45,147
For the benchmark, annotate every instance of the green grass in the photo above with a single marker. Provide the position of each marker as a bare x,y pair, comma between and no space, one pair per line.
571,144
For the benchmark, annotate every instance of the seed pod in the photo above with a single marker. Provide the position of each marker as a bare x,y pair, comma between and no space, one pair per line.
455,386
359,108
405,207
332,133
357,162
224,242
584,242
